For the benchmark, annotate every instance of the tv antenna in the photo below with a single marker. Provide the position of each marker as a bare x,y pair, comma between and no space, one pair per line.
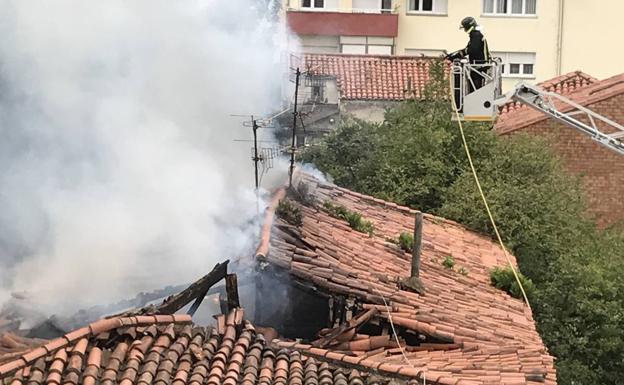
295,64
262,157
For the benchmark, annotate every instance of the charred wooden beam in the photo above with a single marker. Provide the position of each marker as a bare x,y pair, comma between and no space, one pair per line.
354,323
196,290
231,289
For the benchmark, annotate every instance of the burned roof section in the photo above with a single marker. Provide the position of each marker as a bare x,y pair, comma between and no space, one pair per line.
351,321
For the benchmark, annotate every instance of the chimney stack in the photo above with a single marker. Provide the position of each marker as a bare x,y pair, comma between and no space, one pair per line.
417,245
413,282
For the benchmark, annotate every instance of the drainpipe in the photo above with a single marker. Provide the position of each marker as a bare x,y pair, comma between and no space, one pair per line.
560,36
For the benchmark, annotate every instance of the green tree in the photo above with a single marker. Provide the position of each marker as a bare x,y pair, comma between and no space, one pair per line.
537,206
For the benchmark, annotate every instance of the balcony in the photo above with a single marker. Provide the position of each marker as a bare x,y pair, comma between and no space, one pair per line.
337,23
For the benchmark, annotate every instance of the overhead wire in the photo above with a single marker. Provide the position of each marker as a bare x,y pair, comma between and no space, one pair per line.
396,337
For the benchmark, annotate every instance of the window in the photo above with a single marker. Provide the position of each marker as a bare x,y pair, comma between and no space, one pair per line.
362,49
427,6
359,49
517,64
510,7
313,3
372,6
361,45
317,92
380,50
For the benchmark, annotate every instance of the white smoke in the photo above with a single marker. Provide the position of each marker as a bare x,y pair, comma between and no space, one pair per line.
118,166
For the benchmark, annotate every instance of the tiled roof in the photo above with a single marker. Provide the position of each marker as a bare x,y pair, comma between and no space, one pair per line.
13,345
78,340
373,77
568,83
165,350
576,86
476,333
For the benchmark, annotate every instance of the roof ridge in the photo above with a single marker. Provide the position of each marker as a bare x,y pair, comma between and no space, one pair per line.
406,209
569,75
91,330
265,231
370,56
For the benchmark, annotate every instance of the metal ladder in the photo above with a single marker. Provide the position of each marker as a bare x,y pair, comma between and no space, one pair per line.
545,102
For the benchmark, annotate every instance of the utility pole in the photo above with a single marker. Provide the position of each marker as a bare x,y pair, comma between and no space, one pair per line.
256,159
294,133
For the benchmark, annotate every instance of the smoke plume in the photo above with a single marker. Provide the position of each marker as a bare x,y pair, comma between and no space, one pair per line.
118,166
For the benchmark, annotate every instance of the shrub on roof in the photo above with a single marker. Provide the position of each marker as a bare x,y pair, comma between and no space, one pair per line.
406,241
354,219
289,212
504,279
448,262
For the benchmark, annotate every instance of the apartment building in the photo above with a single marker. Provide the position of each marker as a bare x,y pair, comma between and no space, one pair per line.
536,39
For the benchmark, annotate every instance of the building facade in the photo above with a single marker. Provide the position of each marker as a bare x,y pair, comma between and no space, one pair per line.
536,39
600,169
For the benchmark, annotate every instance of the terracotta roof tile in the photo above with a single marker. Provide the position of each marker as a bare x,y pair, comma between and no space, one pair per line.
373,77
475,326
167,352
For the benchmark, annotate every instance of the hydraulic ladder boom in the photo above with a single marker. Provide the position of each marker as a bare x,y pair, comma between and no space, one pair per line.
553,105
476,89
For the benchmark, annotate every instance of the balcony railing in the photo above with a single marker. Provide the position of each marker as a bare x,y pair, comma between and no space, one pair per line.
335,23
343,10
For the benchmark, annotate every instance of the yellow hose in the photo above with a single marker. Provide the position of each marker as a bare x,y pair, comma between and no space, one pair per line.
487,206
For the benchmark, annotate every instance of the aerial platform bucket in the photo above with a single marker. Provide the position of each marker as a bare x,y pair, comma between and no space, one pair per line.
475,87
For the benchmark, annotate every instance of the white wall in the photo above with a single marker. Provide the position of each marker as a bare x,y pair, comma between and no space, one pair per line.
592,37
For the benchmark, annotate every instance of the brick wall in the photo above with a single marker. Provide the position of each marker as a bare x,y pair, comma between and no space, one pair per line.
601,169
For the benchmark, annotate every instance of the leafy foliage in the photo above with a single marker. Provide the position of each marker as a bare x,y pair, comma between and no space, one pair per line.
406,242
538,208
354,219
289,212
448,262
504,279
416,158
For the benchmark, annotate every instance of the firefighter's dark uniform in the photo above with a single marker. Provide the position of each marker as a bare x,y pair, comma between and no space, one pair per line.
477,52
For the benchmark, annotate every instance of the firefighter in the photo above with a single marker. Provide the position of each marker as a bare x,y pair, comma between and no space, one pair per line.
476,50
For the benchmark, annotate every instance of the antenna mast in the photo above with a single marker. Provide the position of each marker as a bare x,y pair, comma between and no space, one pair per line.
294,133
